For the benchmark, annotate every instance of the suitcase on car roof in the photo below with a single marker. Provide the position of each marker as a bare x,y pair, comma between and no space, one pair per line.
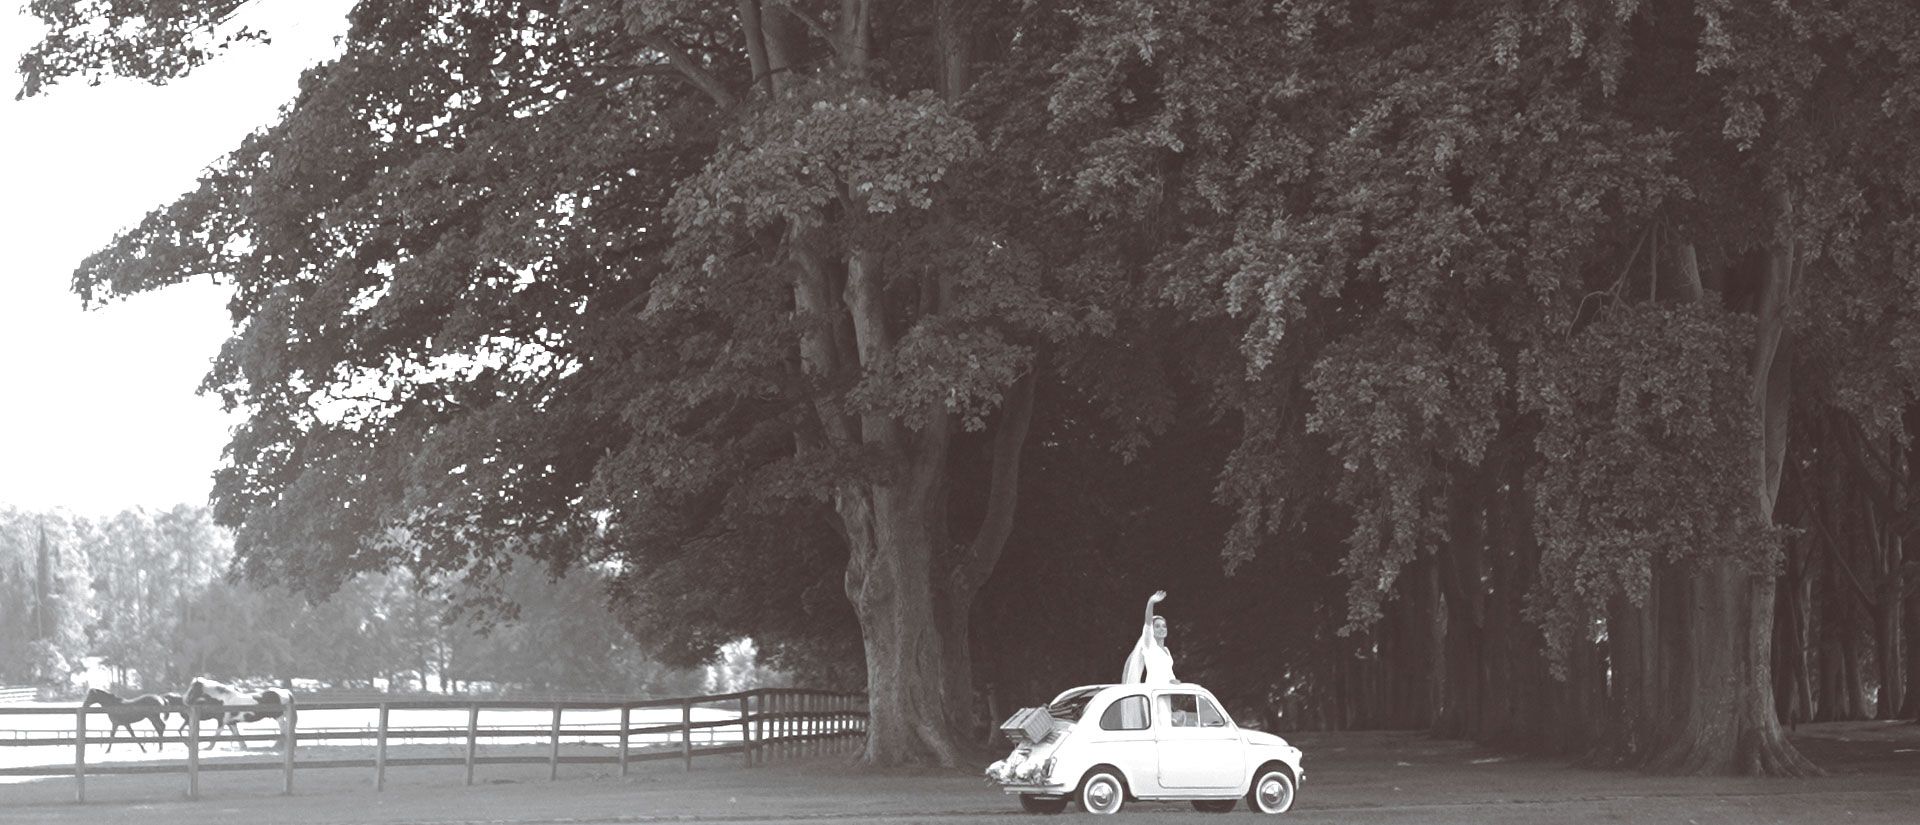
1028,725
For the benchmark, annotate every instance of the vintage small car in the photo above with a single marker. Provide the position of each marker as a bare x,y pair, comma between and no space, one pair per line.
1102,745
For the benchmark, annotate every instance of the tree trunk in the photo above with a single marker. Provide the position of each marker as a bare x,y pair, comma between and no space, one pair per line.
889,580
1836,701
1889,650
1576,708
1911,709
1727,722
1633,634
1792,696
955,617
1464,603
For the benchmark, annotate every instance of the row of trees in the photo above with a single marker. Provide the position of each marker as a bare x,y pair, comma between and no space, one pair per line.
146,596
1572,341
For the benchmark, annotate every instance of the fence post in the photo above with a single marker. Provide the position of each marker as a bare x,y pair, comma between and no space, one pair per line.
292,724
80,755
553,759
626,723
746,729
686,734
193,751
473,737
380,752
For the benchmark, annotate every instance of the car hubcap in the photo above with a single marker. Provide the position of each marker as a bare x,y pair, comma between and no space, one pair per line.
1101,794
1273,793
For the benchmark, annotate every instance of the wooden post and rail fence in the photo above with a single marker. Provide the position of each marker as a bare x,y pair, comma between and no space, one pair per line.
755,725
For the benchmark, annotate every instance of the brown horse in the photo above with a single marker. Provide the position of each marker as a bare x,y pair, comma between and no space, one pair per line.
124,712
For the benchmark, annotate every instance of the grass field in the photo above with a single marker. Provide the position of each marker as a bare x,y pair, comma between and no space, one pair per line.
1374,777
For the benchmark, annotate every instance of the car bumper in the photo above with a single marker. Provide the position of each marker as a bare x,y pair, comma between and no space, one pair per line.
1035,788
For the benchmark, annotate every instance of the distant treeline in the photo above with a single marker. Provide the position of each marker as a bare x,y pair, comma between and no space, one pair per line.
146,594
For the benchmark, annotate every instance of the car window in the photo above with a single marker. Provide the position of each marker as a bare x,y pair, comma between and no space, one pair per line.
1126,713
1181,709
1071,705
1210,716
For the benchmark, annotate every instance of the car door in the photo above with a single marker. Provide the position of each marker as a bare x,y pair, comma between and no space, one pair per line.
1125,738
1198,748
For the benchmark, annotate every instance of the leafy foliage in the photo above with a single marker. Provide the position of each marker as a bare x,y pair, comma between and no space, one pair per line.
1643,408
96,39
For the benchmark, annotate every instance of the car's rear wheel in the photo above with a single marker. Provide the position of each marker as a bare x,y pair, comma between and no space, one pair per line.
1035,804
1103,792
1215,806
1272,791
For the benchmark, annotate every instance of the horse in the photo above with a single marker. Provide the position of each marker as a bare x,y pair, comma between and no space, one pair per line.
237,705
175,703
124,712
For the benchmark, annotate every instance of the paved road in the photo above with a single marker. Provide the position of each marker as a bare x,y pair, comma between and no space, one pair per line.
1352,778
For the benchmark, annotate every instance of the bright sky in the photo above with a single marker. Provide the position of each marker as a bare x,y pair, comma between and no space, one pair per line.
97,409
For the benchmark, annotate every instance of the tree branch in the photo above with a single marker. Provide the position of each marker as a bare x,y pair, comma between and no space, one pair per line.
819,356
812,23
1831,543
872,340
691,69
856,32
756,44
1016,415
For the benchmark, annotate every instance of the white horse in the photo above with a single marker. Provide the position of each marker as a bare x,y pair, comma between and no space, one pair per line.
236,705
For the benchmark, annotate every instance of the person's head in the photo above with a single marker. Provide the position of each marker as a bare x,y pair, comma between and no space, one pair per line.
1160,628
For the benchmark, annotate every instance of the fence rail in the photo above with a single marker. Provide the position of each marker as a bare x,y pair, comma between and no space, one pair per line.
762,724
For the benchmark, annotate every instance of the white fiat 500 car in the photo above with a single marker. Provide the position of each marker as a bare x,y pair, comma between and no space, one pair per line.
1105,744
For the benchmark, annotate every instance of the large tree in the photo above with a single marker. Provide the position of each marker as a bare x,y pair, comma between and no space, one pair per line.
640,284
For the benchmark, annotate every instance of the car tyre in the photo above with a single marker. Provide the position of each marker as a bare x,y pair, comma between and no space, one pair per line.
1036,804
1103,792
1272,791
1215,806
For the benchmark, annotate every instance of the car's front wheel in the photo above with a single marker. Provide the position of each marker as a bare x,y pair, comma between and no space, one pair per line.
1103,792
1035,804
1272,791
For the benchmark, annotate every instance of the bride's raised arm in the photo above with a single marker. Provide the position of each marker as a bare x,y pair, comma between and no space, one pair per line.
1136,667
1147,628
